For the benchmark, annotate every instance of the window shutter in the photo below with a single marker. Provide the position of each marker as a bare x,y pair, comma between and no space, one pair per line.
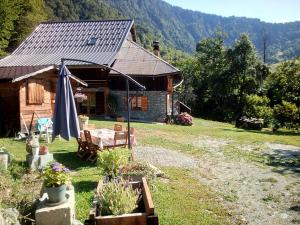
144,103
35,92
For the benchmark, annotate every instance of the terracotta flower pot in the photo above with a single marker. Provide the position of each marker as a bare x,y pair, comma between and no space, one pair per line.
43,150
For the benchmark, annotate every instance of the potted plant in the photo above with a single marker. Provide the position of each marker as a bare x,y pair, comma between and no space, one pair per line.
123,202
55,177
44,150
80,97
83,121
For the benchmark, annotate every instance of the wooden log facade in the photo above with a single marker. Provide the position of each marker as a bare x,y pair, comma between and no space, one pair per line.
44,94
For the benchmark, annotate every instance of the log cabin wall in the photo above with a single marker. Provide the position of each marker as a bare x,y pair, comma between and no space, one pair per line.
9,108
42,104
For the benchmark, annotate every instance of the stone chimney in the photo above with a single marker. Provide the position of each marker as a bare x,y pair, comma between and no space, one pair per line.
156,50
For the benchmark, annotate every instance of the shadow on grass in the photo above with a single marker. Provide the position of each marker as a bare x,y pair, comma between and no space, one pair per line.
70,160
284,161
85,186
280,132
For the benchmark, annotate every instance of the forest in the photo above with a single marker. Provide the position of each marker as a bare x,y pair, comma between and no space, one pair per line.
225,73
225,83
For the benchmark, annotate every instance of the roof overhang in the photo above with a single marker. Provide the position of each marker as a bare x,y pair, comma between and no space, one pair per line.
33,74
26,76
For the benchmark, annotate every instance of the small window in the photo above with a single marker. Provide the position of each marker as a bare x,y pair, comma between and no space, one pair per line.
138,103
35,92
92,41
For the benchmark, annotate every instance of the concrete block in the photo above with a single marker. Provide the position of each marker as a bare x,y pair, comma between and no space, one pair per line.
39,161
33,161
63,214
44,160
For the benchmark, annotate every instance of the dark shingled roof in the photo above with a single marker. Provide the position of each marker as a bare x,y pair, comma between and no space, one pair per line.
52,41
133,59
113,45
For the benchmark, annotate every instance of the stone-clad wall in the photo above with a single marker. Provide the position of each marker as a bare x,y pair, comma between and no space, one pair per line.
156,105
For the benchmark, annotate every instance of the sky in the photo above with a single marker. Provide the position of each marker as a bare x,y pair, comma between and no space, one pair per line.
273,11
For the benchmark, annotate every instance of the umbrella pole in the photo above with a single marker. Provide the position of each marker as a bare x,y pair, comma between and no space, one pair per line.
128,114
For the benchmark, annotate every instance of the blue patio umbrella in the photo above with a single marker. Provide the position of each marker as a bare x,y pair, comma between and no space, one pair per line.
65,120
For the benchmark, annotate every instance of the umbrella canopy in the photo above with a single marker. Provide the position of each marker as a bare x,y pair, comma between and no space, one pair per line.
65,120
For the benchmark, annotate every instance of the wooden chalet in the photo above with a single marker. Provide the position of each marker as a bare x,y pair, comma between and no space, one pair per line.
28,76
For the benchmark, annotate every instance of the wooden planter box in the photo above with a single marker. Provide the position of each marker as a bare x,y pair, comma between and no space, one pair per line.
146,216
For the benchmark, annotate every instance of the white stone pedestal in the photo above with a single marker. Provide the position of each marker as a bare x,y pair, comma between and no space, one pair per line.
63,214
39,161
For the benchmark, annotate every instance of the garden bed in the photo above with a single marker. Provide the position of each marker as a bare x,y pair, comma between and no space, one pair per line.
143,215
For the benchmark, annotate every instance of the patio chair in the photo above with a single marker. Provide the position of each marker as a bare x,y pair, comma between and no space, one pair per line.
82,150
92,148
118,127
121,137
44,126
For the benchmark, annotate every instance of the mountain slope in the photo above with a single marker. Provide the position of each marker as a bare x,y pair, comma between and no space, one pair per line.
155,20
184,28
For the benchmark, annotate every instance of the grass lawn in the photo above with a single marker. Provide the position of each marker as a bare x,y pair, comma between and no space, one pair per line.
179,198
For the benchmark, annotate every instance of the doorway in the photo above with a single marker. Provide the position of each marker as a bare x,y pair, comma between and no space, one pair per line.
94,105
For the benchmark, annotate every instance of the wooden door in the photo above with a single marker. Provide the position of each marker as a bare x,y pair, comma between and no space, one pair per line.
100,101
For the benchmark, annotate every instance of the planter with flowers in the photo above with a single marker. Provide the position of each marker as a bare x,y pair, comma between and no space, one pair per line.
55,177
80,97
121,202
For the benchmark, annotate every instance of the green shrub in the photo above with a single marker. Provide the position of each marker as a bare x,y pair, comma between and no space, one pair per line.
109,162
117,198
19,189
257,106
286,114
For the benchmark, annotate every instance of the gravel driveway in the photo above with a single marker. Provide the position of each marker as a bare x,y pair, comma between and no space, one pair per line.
257,194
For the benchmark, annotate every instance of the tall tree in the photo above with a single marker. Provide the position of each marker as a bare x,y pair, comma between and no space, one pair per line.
213,83
244,69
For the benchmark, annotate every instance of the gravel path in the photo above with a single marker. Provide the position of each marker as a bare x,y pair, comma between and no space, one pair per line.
165,157
255,193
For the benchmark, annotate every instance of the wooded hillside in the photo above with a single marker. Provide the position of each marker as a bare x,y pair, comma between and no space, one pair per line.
173,26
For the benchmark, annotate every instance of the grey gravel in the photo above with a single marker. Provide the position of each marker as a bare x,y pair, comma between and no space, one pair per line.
254,193
164,157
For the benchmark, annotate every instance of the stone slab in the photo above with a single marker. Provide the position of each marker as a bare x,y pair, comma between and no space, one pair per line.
63,214
38,162
33,161
44,160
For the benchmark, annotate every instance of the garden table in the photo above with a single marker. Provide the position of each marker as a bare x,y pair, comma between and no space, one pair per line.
105,137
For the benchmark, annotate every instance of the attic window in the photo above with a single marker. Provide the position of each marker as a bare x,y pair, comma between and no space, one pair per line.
92,41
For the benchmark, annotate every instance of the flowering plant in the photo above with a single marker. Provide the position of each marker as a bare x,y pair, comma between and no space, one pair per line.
80,97
184,119
56,174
